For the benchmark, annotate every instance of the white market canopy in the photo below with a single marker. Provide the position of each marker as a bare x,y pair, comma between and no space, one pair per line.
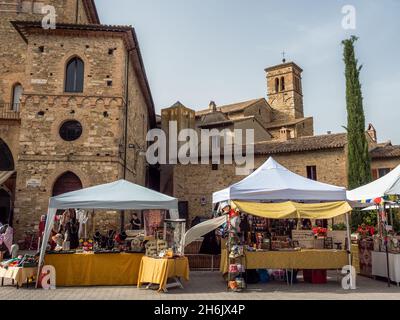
119,195
273,182
388,185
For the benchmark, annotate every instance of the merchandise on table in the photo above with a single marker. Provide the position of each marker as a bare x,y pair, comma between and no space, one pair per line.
26,261
174,235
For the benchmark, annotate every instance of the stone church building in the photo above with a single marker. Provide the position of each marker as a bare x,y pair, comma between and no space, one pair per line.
75,107
281,130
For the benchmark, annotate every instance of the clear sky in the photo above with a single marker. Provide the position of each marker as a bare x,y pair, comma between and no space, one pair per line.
201,50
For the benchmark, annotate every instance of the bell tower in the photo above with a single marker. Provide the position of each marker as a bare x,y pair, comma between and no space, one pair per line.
285,94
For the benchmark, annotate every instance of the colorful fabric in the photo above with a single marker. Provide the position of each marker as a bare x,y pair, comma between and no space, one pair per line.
7,238
293,210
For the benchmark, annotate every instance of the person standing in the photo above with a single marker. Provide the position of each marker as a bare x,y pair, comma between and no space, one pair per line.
135,222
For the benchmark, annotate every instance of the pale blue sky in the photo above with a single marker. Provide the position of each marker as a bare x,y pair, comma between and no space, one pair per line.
201,50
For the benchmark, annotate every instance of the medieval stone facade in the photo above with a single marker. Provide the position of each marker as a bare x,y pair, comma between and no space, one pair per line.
281,131
85,108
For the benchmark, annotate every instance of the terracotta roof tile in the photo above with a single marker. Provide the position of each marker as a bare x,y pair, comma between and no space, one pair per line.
235,107
328,141
387,151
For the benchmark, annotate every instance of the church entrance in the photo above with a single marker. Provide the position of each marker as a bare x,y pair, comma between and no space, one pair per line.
67,182
5,207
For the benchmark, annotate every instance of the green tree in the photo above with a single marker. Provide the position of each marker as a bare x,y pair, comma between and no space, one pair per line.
358,158
359,161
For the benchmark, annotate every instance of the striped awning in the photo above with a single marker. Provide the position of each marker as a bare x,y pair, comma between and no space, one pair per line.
4,175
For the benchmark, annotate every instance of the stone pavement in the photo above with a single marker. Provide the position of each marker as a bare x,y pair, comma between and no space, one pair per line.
210,286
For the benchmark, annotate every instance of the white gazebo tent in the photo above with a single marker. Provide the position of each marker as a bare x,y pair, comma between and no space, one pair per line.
274,184
387,186
119,195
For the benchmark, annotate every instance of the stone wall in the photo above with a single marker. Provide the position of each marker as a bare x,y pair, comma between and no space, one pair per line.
193,182
384,163
138,126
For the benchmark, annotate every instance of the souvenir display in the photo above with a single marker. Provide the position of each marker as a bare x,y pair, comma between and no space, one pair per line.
174,235
151,248
153,221
104,242
235,251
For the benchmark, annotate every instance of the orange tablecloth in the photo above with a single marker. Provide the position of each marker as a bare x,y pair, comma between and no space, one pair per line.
158,271
89,269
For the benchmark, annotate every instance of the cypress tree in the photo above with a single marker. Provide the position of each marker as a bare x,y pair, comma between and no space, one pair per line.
359,161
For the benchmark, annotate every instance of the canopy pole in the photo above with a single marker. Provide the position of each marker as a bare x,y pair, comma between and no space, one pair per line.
349,249
386,243
122,221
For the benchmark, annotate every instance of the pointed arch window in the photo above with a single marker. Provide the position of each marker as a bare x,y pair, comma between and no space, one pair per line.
16,99
282,84
74,75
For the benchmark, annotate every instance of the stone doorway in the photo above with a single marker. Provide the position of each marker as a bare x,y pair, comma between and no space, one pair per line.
5,207
67,182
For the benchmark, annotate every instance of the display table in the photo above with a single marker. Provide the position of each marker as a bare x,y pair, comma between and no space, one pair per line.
18,275
158,271
89,269
379,265
304,259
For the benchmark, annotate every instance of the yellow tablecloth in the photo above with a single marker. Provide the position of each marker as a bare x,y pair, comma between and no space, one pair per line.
304,259
19,275
89,269
158,271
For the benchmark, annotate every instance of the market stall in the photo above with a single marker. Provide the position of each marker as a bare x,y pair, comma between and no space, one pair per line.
108,265
384,195
273,193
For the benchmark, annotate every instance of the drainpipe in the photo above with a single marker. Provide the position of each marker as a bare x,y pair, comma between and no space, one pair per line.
76,11
122,216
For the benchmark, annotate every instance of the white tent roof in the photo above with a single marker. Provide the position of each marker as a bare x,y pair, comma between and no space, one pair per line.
385,186
119,195
273,182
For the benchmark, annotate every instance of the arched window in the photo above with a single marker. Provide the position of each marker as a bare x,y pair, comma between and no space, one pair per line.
6,158
16,98
276,84
74,75
67,182
282,84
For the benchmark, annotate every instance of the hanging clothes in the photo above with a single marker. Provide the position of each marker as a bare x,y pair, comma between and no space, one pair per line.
7,238
83,217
